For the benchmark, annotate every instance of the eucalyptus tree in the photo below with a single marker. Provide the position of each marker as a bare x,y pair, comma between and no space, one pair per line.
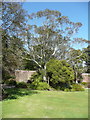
49,37
13,32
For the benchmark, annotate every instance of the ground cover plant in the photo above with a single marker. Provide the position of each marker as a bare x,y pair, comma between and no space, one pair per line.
46,104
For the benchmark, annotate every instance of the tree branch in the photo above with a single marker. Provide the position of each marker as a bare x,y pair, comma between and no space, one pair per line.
33,61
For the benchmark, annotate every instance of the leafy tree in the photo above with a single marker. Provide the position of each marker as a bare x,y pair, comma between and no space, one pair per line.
87,60
13,34
77,59
50,39
60,73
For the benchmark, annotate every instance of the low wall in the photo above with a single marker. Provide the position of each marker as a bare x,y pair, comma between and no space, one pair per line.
23,75
86,77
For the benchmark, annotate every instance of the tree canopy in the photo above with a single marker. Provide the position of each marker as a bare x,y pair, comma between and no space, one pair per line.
52,38
13,29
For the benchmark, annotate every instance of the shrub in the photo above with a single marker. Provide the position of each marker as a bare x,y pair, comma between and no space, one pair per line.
77,87
72,90
84,84
43,86
40,85
37,82
22,85
59,72
36,77
57,87
4,94
67,90
11,82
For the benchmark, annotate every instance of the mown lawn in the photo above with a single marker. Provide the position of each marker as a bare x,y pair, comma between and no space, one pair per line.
47,104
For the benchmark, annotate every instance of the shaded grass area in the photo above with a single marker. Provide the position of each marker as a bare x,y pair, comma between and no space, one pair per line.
14,93
47,104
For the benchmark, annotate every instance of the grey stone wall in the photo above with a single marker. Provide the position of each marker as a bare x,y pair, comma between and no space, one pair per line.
23,75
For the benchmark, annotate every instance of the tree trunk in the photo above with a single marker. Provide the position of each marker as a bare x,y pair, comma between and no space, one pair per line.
76,77
44,76
48,80
75,74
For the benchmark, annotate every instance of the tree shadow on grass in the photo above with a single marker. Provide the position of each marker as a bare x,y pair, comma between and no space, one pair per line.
15,93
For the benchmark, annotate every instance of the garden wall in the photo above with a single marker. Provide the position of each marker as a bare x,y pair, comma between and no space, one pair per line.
23,75
86,78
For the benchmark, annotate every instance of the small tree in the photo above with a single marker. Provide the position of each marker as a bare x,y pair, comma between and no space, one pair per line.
87,60
59,72
77,59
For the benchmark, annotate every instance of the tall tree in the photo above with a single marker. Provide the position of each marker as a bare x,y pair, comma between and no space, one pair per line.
13,31
51,38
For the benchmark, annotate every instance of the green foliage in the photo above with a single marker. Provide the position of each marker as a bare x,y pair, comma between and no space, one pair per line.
30,65
85,84
59,72
67,90
73,90
43,86
76,59
14,93
87,51
36,77
77,87
38,83
22,85
13,33
11,82
4,94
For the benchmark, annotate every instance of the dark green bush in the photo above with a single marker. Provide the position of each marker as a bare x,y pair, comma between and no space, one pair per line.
36,77
37,82
12,97
4,94
59,71
77,87
22,85
10,82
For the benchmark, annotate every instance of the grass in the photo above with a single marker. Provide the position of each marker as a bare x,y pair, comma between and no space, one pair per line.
46,104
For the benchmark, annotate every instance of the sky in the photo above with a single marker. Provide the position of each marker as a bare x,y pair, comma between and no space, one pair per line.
76,12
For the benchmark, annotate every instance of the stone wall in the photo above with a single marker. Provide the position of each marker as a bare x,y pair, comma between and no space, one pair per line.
86,77
23,75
